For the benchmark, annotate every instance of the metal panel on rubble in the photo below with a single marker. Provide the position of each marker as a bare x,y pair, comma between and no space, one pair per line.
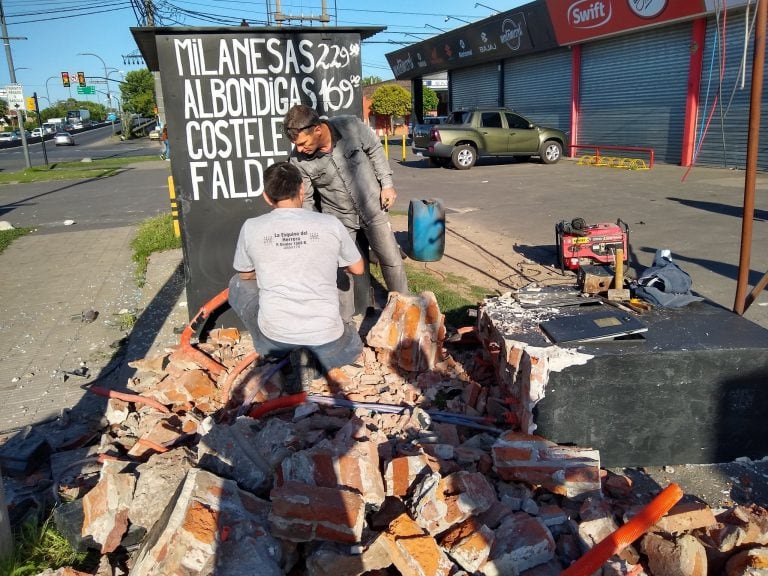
475,86
539,87
633,91
726,107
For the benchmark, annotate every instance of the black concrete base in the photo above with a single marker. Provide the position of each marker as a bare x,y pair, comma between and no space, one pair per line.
695,390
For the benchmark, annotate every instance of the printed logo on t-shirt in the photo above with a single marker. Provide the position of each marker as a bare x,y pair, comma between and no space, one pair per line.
290,240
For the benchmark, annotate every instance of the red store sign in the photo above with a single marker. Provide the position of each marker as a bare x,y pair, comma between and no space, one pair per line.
579,20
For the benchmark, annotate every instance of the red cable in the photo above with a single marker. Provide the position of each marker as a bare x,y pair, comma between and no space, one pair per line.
277,404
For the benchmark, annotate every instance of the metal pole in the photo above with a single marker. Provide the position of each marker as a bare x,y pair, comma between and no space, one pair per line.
753,138
40,124
6,536
12,74
48,94
109,94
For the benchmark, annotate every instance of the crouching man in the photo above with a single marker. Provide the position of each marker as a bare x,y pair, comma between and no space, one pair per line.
287,262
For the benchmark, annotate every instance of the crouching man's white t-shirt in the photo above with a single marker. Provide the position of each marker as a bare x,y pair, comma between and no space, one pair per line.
296,255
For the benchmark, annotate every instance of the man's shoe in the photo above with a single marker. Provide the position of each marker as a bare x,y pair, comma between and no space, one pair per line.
303,371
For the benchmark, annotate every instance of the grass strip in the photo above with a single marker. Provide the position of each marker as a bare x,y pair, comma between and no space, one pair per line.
8,236
71,170
154,235
38,548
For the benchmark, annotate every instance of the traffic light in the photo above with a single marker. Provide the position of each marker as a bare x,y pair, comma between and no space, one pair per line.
31,102
65,79
81,78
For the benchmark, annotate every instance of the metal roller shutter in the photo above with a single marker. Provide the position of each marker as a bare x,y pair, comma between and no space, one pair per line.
475,86
539,87
633,91
725,141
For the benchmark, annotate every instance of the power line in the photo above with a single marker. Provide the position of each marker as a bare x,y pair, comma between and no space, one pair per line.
80,9
48,17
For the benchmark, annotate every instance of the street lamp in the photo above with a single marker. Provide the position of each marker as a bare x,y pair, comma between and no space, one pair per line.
489,8
456,18
435,27
47,93
109,94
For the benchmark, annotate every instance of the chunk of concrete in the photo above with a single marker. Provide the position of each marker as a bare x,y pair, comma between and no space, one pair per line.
246,453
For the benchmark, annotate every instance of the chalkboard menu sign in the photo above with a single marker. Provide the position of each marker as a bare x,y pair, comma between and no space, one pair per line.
225,93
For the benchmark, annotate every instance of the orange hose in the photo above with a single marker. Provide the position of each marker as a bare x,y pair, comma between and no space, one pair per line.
197,323
226,388
126,397
626,534
277,404
159,448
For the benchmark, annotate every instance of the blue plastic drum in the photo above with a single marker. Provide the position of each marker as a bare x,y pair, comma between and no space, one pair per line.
426,230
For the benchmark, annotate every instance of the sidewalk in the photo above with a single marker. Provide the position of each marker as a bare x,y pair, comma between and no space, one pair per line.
50,279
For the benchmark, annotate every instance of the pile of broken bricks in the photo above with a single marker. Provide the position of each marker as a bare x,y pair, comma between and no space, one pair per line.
405,465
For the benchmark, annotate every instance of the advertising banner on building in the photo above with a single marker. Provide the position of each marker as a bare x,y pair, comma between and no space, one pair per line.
225,96
513,33
579,20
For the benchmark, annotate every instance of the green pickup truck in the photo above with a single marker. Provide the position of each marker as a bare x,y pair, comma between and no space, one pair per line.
469,134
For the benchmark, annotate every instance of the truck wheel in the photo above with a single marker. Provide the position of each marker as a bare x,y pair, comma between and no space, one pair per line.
551,152
463,157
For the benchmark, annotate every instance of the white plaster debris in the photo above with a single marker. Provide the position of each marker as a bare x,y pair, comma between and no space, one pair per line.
509,317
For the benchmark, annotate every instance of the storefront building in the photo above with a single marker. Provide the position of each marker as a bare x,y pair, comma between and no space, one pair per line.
671,75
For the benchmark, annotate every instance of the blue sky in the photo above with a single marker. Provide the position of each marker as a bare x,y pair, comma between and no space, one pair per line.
56,31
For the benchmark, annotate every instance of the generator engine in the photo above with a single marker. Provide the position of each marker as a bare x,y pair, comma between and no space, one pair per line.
579,243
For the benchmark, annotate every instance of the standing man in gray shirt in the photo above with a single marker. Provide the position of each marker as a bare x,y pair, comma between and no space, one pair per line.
343,162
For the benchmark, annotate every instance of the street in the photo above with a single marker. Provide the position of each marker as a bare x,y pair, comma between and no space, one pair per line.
99,203
517,204
96,143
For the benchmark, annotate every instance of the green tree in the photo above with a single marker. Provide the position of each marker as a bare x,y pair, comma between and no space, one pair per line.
391,100
138,93
429,99
368,80
4,110
59,110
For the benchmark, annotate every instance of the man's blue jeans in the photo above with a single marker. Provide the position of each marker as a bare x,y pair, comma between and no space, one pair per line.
244,300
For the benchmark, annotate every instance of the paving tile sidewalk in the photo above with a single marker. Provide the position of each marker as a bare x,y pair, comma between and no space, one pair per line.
48,280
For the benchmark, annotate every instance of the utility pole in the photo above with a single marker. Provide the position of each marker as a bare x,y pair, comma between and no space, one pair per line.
6,536
12,75
149,9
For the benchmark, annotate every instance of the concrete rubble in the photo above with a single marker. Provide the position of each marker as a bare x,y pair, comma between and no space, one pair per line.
417,461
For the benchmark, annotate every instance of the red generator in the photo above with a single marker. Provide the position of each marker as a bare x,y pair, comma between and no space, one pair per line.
579,243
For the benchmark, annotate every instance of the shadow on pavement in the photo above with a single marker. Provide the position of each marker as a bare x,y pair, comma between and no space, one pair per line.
720,208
